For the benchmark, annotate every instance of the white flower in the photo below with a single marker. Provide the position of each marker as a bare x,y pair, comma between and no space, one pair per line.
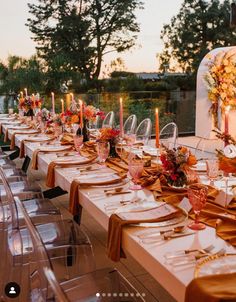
230,151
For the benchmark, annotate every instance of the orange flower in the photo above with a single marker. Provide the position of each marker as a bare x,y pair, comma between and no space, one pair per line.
74,119
183,150
191,160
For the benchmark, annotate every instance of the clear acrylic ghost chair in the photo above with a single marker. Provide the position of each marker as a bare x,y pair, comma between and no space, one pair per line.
66,243
39,208
45,286
109,120
130,124
168,135
143,131
205,148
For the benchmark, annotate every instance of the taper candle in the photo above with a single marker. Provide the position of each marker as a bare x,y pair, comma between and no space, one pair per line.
121,118
68,101
157,128
21,94
81,112
26,92
227,109
53,102
62,106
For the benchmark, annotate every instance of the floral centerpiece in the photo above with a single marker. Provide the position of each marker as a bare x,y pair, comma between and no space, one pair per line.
227,156
89,114
29,104
110,135
221,82
177,165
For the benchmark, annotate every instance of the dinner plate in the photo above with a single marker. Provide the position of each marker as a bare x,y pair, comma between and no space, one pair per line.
97,180
215,265
200,167
181,218
19,127
55,148
138,206
122,182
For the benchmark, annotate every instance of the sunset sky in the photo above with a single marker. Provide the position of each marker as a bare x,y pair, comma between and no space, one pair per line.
15,36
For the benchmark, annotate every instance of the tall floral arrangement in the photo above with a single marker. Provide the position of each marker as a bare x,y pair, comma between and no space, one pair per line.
221,82
90,113
28,104
177,165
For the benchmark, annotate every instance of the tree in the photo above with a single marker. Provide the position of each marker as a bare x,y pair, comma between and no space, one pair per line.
199,27
19,73
83,31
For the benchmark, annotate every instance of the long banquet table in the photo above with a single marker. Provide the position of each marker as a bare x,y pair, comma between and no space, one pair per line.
150,256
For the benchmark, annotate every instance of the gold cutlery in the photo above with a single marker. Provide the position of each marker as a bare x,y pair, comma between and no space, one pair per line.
173,236
117,193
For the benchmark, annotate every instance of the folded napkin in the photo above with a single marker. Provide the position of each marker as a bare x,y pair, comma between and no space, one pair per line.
117,165
50,181
214,288
15,128
22,146
67,139
118,221
12,145
89,149
34,160
214,216
74,192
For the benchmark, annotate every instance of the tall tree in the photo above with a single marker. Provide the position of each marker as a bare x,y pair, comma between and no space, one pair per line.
199,27
83,31
19,73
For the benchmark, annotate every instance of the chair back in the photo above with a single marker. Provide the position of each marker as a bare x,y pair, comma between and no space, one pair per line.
40,290
130,124
143,131
169,135
109,120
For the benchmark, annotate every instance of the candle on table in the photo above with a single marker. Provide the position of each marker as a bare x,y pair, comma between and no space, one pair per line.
121,118
21,94
81,112
157,128
227,109
53,103
26,92
68,101
33,99
62,106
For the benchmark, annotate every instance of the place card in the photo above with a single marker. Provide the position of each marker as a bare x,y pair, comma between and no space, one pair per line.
185,205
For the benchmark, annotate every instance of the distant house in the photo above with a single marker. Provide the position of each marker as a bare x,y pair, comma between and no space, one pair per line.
153,76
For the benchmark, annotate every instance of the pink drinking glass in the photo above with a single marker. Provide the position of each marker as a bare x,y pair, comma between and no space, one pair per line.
212,168
135,171
78,142
130,139
103,149
197,195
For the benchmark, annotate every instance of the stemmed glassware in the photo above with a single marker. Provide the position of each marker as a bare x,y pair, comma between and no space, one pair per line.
103,149
135,171
197,195
212,168
78,142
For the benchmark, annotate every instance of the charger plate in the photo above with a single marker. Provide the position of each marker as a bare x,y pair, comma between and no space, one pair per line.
215,265
175,220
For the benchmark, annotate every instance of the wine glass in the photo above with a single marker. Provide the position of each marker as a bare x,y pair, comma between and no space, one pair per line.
197,195
135,171
130,138
103,149
78,142
212,168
